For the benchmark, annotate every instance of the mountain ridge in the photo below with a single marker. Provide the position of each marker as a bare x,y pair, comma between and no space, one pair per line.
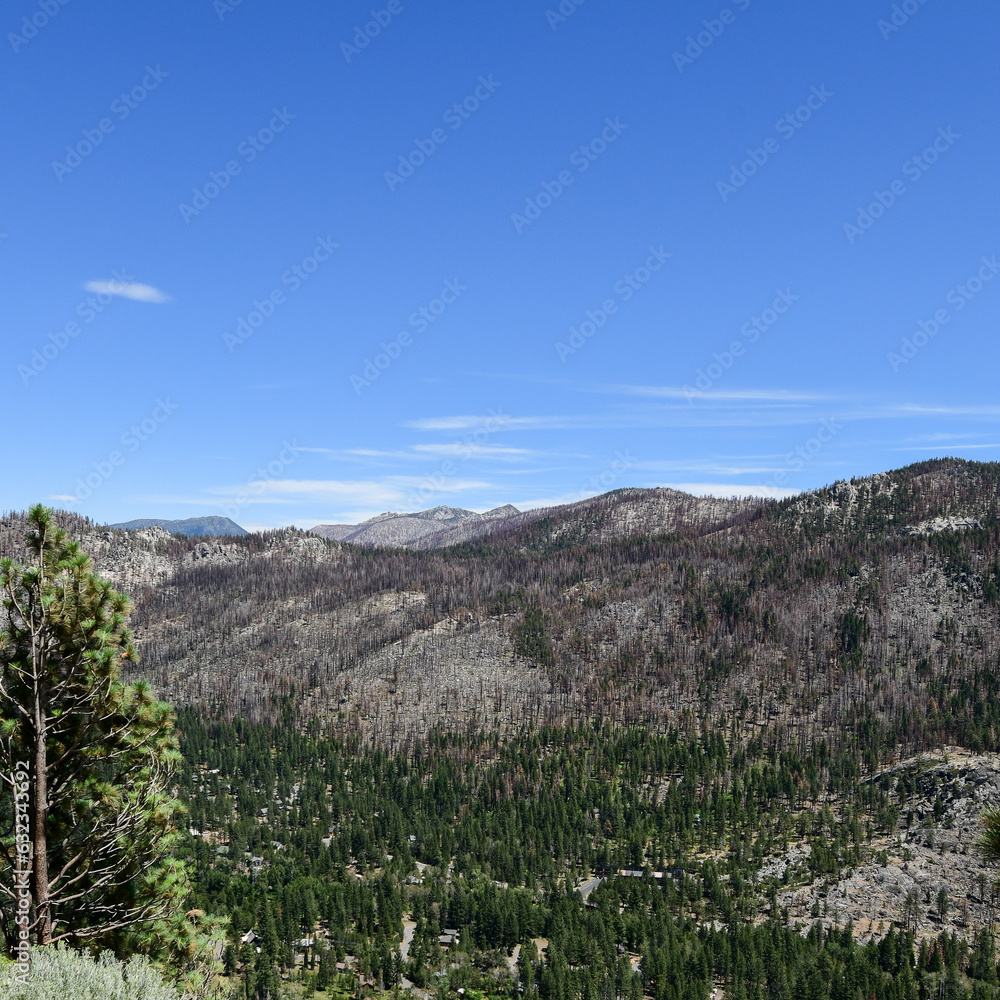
393,528
210,524
820,613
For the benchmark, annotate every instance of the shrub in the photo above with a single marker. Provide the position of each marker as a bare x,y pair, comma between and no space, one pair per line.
59,973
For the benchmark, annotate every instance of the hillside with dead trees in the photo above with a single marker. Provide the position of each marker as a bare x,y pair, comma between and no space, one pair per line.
873,602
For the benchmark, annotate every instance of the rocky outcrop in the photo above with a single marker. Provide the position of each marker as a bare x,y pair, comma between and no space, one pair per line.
938,495
936,524
928,873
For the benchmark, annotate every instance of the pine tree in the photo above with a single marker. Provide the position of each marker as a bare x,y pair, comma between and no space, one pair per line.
989,843
99,756
327,969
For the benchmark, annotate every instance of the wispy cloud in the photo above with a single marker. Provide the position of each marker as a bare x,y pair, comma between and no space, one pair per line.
279,386
476,421
419,452
159,499
556,500
128,290
464,450
406,456
709,468
939,437
449,485
948,448
649,417
361,496
664,407
908,409
715,396
305,501
293,490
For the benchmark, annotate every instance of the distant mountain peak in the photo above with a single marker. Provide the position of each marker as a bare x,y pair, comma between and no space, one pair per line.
393,528
446,514
210,524
507,510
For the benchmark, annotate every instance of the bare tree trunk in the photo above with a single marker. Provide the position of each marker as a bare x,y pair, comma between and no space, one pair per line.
41,854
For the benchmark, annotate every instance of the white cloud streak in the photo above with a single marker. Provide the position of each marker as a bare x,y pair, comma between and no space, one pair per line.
128,290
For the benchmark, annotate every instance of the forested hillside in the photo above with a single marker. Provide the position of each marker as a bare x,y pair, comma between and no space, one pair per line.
870,600
642,746
587,862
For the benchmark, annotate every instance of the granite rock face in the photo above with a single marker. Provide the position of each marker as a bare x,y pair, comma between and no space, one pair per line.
940,798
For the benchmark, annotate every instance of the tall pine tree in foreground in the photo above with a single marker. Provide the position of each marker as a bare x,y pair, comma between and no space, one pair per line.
99,756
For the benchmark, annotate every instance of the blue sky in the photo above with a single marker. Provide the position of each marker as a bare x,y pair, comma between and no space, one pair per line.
302,263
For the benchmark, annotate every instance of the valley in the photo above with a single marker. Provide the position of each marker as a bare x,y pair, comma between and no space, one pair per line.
645,745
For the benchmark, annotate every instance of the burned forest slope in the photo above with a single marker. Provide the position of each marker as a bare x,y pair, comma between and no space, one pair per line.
871,604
